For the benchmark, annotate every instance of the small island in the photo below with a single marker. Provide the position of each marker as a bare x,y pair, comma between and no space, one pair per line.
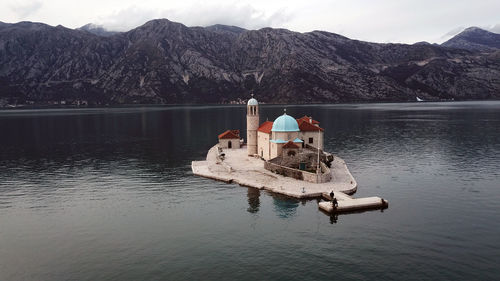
284,156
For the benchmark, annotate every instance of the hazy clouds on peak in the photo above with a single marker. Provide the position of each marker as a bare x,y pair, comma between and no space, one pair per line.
245,16
455,31
376,21
495,28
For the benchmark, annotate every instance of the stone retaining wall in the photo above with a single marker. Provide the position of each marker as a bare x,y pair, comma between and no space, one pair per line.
325,175
310,177
285,171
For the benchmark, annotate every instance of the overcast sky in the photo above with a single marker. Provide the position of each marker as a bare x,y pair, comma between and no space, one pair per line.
369,20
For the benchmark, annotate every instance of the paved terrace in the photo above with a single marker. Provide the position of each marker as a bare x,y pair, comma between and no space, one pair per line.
239,168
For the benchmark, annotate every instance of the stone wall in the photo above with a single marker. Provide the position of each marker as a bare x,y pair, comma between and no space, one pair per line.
324,156
276,165
310,177
285,171
325,175
308,156
288,165
224,143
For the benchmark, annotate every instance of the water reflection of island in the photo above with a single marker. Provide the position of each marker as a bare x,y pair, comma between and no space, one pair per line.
253,195
285,207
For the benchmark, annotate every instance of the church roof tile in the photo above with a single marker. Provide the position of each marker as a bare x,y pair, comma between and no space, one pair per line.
266,127
230,134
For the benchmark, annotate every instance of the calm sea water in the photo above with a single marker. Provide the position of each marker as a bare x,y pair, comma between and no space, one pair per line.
108,194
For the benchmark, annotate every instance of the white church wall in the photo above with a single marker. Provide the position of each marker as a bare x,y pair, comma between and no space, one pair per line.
286,136
276,149
263,145
308,136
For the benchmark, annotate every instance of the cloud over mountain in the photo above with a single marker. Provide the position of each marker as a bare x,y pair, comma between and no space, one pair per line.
245,15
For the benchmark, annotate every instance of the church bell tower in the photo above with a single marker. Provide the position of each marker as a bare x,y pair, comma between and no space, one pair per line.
252,125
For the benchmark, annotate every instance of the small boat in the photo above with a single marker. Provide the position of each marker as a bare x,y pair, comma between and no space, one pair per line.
419,99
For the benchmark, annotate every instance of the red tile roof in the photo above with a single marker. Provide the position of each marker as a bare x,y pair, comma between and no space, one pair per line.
308,119
266,127
290,144
308,127
230,134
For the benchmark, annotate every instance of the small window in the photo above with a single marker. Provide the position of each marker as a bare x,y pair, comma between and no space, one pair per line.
291,153
311,140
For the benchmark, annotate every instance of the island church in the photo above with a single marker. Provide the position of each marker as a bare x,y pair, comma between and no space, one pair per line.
285,136
286,147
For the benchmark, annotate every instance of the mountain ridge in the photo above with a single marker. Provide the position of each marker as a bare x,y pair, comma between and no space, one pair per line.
475,39
167,62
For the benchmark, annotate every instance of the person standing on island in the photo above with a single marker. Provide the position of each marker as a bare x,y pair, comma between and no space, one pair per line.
335,204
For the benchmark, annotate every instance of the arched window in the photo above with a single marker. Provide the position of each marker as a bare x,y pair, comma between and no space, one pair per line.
291,153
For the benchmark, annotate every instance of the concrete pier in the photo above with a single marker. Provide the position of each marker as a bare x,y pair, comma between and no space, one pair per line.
238,167
346,203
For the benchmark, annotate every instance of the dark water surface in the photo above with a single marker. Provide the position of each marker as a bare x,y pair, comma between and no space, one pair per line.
108,194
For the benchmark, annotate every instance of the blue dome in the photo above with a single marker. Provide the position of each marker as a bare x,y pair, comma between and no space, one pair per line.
285,123
252,101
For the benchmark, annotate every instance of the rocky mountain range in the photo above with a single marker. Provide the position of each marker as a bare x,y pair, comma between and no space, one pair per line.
475,39
167,62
